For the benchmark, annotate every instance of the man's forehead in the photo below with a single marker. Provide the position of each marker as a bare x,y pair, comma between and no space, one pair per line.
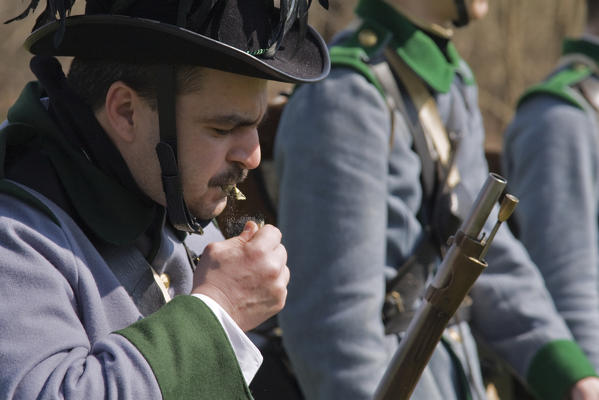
221,102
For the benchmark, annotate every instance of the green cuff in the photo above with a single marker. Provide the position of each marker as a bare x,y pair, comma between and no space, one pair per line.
189,352
556,368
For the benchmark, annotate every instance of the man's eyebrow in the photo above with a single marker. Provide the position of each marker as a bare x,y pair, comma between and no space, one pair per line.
235,120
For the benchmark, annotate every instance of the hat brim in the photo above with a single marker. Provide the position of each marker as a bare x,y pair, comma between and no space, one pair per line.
130,39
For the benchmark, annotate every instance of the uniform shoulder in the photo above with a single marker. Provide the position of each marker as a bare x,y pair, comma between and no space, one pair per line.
17,192
359,50
560,85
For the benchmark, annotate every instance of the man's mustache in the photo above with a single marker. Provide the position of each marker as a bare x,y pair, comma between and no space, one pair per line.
231,177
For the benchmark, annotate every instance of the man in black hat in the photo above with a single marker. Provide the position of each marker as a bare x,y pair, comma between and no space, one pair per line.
109,176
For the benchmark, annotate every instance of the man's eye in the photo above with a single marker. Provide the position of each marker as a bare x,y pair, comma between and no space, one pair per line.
222,131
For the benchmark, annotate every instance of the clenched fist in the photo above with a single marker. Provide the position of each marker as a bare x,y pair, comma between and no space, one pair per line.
246,274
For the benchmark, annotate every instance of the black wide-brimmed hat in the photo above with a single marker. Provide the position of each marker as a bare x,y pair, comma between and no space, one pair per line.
249,37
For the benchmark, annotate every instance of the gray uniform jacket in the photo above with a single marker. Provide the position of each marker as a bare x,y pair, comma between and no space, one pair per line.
87,321
551,157
348,206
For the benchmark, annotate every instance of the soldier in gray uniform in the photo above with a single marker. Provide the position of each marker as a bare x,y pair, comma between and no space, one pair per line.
369,192
551,157
108,176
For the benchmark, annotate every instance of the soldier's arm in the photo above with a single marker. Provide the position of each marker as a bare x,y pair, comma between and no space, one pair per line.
550,159
56,346
513,311
331,157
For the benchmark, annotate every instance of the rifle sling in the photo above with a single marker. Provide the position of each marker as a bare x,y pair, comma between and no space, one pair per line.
395,101
431,126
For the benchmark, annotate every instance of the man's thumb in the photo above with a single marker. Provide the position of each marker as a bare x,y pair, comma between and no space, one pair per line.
249,231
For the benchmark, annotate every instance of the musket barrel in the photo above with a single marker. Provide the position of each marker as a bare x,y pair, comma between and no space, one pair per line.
484,203
473,224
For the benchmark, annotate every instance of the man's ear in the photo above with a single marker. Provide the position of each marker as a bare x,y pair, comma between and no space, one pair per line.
120,109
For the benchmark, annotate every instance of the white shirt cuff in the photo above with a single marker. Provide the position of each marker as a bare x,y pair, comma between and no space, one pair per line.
248,355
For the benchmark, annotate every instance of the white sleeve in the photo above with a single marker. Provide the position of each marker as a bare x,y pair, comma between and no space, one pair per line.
248,355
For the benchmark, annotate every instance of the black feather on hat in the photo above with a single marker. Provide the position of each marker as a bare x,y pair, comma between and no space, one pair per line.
250,37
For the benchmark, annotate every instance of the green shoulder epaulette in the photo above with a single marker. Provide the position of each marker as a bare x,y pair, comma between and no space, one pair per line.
354,57
358,49
560,85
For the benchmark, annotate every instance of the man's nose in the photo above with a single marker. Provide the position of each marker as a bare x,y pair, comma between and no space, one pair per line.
246,150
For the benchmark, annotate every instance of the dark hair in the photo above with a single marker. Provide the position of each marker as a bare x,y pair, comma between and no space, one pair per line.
592,10
91,79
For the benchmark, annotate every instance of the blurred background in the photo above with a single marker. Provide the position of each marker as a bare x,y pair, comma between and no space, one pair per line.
516,45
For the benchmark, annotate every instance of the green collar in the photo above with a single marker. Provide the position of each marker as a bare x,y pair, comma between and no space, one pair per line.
414,46
581,46
560,84
112,213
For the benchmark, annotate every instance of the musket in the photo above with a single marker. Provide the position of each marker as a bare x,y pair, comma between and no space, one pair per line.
462,265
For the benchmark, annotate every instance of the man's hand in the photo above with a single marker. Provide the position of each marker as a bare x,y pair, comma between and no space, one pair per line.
586,389
247,275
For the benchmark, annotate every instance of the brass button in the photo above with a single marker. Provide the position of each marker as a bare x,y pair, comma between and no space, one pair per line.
367,38
166,280
454,335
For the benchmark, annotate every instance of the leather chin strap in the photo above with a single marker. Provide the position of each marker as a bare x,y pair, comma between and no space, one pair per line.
177,211
463,17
